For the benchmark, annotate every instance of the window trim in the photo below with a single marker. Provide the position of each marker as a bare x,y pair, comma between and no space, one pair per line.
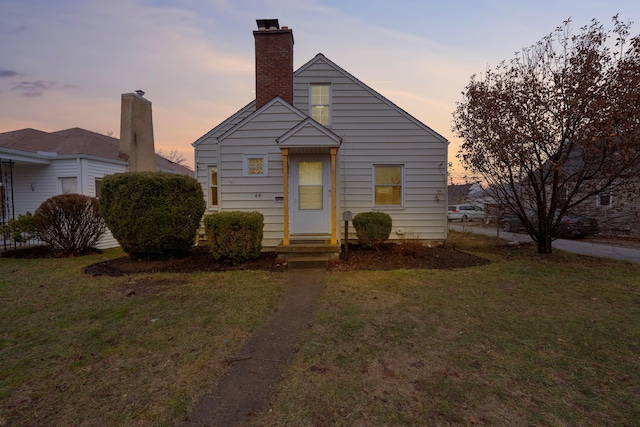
245,165
210,187
401,185
329,105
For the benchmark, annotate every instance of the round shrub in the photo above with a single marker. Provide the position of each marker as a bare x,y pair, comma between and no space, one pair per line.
153,215
70,223
234,237
372,228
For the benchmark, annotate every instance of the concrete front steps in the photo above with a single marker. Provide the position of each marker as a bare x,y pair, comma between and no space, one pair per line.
301,254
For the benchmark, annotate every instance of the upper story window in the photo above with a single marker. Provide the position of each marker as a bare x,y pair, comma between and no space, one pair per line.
255,165
320,104
387,187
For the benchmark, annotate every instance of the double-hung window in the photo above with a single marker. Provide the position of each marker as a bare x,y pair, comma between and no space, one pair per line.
388,185
320,104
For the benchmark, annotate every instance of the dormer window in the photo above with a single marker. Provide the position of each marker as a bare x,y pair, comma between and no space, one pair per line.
320,104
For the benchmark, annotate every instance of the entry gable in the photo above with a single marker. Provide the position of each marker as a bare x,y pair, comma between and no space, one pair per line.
309,134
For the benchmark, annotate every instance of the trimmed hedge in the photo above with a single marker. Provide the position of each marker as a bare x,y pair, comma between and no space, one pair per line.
153,215
70,223
372,228
234,237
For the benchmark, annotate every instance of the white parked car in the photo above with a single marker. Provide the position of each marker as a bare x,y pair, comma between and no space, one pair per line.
465,213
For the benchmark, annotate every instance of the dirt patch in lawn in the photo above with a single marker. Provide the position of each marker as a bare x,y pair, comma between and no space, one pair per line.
388,257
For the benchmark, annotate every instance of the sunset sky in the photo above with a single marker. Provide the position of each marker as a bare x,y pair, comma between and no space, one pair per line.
65,63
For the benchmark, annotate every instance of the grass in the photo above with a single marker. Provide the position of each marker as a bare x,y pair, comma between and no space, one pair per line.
75,351
525,340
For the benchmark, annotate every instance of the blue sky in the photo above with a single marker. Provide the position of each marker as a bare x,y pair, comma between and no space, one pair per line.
65,63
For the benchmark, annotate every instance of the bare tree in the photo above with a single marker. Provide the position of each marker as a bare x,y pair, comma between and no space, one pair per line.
173,156
556,125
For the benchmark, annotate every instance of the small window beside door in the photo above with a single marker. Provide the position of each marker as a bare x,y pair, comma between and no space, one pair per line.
213,186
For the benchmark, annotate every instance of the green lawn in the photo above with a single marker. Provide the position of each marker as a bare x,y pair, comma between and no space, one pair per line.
525,340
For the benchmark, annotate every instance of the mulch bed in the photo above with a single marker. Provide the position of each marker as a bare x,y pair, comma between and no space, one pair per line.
387,257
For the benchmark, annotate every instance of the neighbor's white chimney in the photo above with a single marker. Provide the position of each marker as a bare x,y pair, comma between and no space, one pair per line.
136,132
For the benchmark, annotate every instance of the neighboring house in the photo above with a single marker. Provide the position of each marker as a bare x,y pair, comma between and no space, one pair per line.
466,193
617,210
317,144
36,165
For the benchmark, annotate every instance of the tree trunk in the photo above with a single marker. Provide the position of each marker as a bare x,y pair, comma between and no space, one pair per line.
544,243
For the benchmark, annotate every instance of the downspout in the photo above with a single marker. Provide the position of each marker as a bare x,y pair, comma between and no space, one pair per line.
285,187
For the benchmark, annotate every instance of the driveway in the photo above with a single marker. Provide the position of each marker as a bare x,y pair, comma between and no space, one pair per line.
583,247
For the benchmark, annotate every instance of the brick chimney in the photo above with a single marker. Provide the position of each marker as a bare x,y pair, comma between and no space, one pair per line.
274,62
136,132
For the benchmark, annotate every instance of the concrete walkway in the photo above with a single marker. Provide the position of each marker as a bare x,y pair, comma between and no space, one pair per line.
258,367
583,247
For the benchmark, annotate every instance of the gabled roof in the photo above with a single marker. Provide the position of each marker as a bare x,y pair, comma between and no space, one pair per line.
256,113
223,127
74,142
245,113
321,57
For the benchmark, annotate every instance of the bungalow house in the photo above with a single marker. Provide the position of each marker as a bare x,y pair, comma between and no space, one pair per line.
36,165
318,146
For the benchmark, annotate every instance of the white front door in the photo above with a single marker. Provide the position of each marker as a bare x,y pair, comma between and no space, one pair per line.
310,195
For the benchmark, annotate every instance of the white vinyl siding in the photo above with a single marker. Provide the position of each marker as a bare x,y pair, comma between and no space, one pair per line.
377,132
374,132
243,192
35,183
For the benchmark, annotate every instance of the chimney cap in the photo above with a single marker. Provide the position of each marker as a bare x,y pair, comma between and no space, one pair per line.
268,23
140,92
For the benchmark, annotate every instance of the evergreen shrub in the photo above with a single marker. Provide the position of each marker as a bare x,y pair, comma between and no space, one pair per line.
21,229
234,237
372,228
153,215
